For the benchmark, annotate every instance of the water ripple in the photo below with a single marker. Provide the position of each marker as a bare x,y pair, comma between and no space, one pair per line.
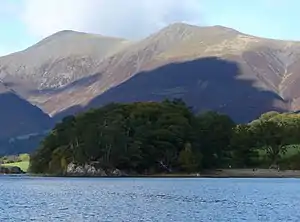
113,200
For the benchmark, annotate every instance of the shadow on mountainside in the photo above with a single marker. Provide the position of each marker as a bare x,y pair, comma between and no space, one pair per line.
205,84
19,117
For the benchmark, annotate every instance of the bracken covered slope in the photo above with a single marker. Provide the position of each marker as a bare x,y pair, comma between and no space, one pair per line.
210,67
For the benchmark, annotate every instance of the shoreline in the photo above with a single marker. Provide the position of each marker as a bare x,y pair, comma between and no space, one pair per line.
220,173
250,173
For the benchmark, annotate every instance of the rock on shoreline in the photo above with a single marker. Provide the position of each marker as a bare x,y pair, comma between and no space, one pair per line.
91,170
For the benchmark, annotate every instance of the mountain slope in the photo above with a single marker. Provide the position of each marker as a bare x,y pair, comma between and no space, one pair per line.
58,60
207,83
138,56
19,117
210,67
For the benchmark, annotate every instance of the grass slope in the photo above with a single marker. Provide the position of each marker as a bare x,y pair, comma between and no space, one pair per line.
24,165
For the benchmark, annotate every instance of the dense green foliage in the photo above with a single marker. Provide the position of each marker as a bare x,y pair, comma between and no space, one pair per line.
149,137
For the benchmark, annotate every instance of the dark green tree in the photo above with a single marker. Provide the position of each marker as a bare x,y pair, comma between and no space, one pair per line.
214,133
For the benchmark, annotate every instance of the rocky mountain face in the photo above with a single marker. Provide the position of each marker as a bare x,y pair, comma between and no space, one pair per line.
211,68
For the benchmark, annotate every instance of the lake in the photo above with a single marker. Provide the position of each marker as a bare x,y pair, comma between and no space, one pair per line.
25,198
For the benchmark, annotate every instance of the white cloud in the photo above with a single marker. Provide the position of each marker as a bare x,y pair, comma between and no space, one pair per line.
125,18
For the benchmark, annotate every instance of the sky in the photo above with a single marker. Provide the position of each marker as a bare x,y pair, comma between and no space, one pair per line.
25,22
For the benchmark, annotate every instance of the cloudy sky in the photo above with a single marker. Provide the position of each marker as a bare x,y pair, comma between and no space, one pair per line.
24,22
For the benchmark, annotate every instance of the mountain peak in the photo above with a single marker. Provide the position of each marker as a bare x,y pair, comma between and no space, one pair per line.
64,32
60,34
181,26
221,27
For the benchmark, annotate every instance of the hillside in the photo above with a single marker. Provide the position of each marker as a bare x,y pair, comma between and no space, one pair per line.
210,67
19,117
58,60
21,123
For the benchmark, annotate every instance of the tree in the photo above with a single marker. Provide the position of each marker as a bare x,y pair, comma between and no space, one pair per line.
243,146
153,137
189,160
274,133
214,135
142,136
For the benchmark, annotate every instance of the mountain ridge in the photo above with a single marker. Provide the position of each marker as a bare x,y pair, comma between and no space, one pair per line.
71,69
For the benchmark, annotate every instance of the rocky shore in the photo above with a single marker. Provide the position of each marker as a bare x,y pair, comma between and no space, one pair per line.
92,170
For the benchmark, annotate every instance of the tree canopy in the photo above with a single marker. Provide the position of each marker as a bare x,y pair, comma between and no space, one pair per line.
152,137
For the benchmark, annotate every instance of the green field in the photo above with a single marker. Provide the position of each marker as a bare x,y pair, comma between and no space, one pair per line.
23,165
21,161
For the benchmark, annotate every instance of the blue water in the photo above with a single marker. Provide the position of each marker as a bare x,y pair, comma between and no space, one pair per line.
184,200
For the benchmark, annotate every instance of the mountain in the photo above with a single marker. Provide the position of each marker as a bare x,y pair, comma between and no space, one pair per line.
58,60
209,67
